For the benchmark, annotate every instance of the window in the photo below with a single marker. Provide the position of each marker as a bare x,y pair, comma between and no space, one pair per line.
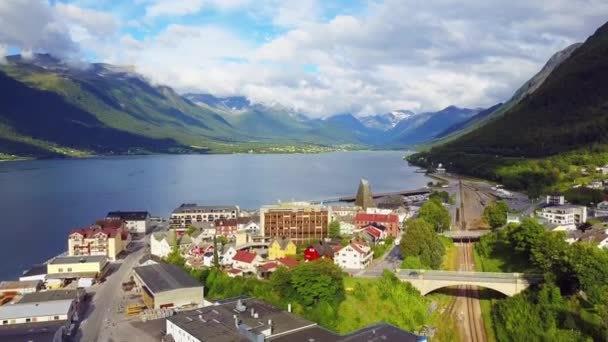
69,269
56,318
27,320
60,269
5,322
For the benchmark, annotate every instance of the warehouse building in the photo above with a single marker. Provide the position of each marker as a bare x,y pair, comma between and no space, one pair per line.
167,286
42,311
84,269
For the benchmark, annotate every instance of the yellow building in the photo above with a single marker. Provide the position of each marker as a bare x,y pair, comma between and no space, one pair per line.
281,248
76,267
98,240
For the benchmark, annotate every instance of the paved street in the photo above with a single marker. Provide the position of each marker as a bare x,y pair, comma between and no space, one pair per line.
390,261
104,308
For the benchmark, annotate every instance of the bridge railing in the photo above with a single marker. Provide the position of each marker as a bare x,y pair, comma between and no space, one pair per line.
413,273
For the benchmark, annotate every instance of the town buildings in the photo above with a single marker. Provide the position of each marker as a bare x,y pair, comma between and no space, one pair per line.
356,256
281,248
564,214
166,285
136,221
36,272
108,240
163,243
319,250
390,221
20,287
190,214
298,221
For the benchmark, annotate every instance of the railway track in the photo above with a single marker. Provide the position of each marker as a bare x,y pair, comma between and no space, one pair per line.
476,331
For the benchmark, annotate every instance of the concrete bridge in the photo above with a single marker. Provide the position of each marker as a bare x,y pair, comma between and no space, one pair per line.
427,281
465,235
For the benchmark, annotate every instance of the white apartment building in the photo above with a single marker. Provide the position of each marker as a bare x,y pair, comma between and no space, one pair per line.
564,214
190,213
136,221
355,256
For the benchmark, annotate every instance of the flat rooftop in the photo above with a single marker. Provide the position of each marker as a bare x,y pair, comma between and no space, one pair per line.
78,259
35,270
51,295
217,323
163,277
34,309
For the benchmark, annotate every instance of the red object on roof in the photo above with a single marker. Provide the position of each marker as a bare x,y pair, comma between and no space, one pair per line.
91,231
377,217
244,256
288,262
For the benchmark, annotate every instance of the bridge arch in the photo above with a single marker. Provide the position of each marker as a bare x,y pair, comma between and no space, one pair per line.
441,287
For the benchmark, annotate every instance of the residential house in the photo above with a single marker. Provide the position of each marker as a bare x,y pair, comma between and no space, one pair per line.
203,231
227,255
355,256
390,221
246,261
136,221
596,184
564,214
266,269
603,170
513,218
249,225
281,248
163,243
105,239
190,213
373,233
226,227
319,250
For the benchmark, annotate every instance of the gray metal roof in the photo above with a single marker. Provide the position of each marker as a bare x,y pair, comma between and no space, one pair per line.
163,277
129,215
78,259
35,309
51,295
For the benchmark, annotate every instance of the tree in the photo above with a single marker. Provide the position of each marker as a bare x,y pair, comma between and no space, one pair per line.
334,230
495,214
318,281
433,212
191,229
441,196
175,257
421,241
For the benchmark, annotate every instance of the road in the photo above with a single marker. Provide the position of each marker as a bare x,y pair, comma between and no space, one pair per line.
105,307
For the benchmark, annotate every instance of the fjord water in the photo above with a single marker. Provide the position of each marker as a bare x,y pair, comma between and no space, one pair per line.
42,200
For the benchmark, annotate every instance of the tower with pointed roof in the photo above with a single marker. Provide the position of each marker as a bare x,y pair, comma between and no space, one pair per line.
364,197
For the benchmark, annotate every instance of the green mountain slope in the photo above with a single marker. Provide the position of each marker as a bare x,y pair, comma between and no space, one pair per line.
568,112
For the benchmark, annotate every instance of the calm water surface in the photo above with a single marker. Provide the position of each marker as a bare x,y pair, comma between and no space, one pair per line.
41,201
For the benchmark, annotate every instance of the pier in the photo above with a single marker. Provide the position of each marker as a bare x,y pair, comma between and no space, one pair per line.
421,191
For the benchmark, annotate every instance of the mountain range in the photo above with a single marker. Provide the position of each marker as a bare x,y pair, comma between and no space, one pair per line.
50,108
561,109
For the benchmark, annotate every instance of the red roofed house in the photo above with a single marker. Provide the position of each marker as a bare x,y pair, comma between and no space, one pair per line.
266,269
390,221
355,256
246,261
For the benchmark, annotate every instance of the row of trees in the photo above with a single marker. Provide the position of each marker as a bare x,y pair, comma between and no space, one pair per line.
574,274
495,214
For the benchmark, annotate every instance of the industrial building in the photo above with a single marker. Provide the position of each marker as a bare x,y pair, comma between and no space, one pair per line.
166,285
85,269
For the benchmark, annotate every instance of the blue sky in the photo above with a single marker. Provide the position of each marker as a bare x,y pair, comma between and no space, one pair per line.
318,57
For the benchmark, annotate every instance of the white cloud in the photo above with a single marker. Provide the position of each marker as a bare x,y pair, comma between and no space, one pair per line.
389,55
